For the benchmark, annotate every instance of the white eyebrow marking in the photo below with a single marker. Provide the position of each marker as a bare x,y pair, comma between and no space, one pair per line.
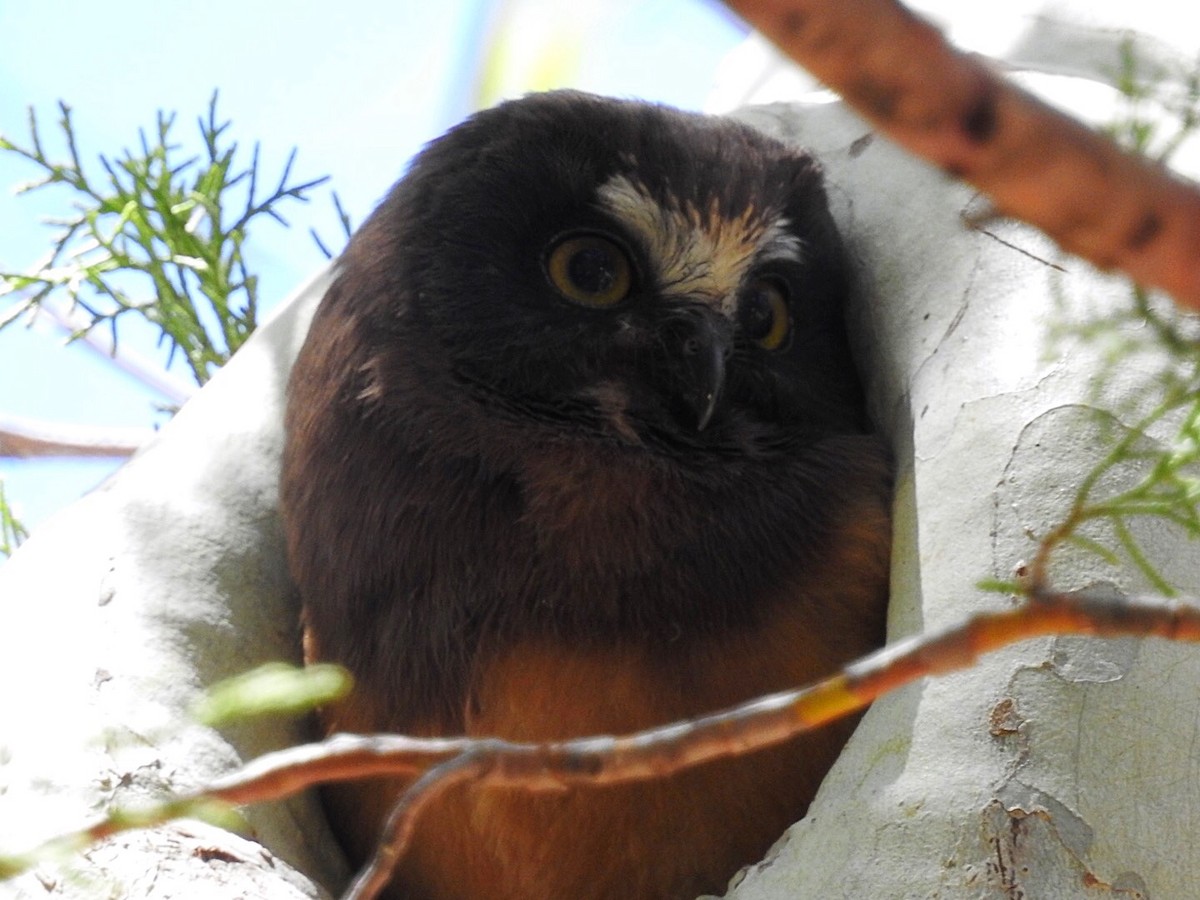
700,253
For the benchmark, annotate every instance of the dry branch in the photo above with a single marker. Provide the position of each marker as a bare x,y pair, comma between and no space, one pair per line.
74,323
654,753
20,437
1115,209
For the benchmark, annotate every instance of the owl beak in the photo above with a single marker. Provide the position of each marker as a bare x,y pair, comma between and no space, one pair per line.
703,348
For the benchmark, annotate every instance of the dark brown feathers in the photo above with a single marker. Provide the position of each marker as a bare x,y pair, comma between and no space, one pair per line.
512,510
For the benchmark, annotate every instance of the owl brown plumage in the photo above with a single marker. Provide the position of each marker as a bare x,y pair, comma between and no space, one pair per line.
575,446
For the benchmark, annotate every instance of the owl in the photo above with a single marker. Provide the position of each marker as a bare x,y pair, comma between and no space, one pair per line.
576,446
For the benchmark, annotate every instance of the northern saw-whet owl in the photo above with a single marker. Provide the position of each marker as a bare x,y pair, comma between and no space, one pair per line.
576,446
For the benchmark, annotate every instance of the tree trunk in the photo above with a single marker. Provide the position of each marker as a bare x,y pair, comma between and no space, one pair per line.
119,612
1060,768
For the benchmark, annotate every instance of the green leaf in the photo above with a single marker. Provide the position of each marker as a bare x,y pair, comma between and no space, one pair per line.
272,689
167,243
1000,586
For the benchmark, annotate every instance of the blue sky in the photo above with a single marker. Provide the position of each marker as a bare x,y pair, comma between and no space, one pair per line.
356,86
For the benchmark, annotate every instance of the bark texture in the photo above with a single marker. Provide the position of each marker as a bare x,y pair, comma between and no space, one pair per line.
1060,768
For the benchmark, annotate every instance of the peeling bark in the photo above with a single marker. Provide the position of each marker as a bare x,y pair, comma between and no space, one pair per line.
1061,768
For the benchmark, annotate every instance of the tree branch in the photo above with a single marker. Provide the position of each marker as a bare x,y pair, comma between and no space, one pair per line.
20,437
649,754
1113,208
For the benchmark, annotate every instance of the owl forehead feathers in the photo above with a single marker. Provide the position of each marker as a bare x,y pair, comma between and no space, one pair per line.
701,252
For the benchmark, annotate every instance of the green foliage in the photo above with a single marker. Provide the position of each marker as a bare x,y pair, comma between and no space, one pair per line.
272,689
1175,94
163,224
1152,334
64,848
999,586
1168,489
12,532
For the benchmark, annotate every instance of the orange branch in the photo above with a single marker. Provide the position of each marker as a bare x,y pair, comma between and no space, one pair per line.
23,438
644,755
1037,164
770,720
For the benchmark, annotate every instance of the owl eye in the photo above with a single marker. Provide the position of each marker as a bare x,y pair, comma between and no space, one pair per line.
590,270
763,314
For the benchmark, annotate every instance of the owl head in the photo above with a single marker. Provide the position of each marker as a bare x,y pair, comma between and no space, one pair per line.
639,275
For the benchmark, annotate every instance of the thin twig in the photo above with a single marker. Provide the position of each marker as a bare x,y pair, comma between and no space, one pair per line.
401,822
654,753
76,323
149,222
24,438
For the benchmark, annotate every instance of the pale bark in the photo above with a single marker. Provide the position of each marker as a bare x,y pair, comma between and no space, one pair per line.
119,612
1061,768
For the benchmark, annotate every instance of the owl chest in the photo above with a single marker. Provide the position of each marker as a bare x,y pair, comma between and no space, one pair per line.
667,839
567,545
542,660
